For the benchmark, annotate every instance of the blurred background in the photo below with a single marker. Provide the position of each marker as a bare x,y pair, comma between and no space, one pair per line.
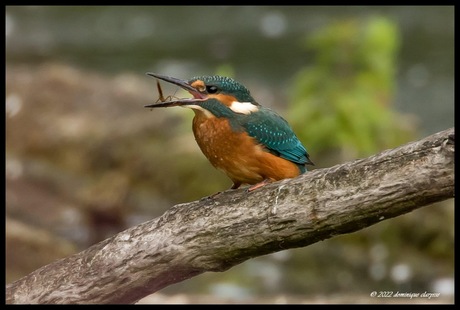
85,159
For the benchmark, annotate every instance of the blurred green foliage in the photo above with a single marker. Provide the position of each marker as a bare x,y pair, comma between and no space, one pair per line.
344,100
93,161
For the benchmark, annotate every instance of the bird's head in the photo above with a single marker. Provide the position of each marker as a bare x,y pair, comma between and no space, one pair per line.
214,95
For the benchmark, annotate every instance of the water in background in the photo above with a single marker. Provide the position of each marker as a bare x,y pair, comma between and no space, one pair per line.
263,46
84,158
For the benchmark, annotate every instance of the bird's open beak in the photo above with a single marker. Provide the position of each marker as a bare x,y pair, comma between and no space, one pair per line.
197,96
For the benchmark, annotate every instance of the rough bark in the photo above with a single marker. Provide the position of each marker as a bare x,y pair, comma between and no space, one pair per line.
216,234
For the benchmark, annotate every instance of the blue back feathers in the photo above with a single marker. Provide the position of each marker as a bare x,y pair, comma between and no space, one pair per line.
272,131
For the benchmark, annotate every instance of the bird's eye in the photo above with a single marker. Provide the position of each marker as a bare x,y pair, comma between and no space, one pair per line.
211,89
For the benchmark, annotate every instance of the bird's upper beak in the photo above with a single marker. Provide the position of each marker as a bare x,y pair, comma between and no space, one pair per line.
197,96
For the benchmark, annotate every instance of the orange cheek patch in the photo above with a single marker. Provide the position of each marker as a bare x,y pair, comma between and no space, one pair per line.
225,99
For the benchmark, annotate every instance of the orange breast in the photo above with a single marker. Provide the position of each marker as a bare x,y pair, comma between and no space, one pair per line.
237,154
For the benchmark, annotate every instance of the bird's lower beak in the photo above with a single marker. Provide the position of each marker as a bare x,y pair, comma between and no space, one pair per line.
173,103
197,96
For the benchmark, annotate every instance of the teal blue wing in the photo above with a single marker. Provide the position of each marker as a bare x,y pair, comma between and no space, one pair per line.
272,131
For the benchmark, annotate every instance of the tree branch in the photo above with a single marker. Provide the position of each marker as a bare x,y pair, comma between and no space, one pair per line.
216,234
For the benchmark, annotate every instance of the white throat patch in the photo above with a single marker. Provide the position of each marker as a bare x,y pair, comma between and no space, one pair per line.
243,107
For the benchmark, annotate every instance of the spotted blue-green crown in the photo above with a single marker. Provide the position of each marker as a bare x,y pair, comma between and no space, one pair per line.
226,85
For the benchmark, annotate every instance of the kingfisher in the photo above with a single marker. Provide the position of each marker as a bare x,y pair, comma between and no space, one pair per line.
250,143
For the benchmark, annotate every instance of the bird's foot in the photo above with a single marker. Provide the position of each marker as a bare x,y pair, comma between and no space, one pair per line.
259,185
